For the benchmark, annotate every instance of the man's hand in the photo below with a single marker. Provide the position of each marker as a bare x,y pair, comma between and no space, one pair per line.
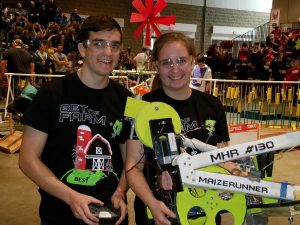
79,204
161,212
118,202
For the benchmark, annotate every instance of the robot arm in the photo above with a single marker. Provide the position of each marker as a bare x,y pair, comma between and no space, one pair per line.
230,153
192,177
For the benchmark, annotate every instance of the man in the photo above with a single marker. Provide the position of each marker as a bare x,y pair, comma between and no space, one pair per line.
60,60
141,59
4,26
20,12
74,16
73,128
51,8
41,62
17,60
201,70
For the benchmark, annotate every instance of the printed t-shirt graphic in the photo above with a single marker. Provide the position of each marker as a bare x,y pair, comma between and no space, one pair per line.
93,158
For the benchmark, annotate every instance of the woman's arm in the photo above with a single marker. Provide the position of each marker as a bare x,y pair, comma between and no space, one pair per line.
134,165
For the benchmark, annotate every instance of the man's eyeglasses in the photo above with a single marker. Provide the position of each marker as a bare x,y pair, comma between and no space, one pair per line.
101,44
170,63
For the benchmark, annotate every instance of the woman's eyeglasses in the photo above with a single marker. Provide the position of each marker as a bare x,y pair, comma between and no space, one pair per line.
170,63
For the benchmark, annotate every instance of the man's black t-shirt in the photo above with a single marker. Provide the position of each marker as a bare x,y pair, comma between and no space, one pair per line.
18,60
84,128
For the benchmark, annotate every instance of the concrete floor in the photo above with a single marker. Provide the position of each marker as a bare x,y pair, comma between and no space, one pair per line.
19,198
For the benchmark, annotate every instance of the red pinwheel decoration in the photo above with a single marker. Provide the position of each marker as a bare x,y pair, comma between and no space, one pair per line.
149,16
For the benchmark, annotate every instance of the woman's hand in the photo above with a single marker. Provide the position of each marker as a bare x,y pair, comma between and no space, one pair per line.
161,213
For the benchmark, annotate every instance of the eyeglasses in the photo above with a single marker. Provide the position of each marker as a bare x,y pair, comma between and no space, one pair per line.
170,63
101,44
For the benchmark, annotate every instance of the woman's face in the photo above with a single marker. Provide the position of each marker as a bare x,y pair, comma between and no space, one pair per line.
175,66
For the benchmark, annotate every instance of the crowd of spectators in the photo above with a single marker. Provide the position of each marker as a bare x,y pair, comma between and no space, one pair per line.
43,27
46,31
276,58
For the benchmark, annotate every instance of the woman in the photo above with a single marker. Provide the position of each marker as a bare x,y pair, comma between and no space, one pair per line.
202,117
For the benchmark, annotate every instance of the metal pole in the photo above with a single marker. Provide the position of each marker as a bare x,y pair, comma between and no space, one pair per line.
203,27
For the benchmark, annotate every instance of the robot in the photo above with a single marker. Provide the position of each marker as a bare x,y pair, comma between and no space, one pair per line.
200,189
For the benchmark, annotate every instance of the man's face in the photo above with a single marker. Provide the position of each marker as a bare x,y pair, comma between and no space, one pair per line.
42,48
101,52
201,64
60,48
14,44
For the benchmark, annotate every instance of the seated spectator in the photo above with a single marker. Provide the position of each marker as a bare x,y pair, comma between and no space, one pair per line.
293,74
243,70
60,18
266,73
74,16
223,64
50,51
4,27
70,67
276,32
270,55
26,36
33,12
127,60
20,11
53,33
71,42
244,52
35,41
213,59
43,16
51,8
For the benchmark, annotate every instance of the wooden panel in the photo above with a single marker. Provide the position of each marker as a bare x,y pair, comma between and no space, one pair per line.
11,142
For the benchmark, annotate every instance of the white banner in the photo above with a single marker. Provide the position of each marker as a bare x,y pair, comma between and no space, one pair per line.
274,19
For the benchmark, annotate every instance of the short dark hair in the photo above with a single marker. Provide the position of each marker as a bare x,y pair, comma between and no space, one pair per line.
98,23
201,59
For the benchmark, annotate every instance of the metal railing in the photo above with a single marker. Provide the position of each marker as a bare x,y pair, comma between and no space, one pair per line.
258,34
270,103
10,83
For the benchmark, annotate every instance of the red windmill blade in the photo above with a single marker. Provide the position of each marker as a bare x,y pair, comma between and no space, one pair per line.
149,16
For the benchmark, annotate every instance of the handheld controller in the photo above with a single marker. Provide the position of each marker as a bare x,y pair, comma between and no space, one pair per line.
107,214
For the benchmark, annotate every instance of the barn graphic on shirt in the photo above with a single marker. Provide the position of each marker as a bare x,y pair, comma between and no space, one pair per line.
92,152
98,154
93,159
